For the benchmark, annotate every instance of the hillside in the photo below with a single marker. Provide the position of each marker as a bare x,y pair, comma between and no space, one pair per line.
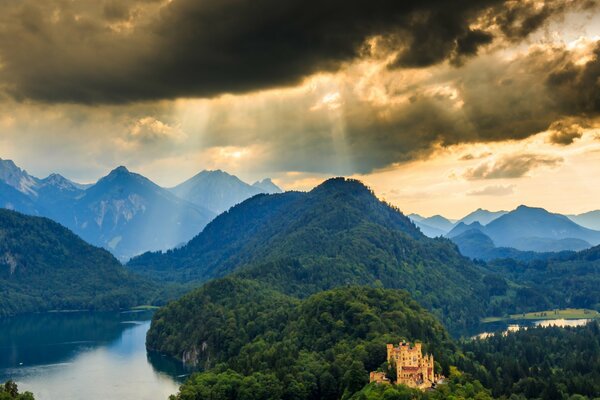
477,245
44,266
264,342
337,234
561,280
589,219
547,363
12,199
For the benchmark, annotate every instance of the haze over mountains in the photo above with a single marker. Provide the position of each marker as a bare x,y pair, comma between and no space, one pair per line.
128,214
125,212
218,190
524,229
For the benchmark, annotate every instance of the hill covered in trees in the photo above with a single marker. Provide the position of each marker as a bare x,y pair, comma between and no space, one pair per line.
546,363
44,266
249,339
10,391
338,234
563,280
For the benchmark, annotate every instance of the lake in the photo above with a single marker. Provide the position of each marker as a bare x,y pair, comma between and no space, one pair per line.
508,326
91,355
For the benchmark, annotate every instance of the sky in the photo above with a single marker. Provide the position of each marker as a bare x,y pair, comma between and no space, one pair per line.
440,107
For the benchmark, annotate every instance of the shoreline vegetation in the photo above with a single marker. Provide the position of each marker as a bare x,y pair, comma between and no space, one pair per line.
567,313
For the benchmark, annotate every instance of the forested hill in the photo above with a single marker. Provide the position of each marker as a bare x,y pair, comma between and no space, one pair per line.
337,234
44,266
261,341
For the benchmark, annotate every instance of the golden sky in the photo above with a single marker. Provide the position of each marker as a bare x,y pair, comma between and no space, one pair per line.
440,109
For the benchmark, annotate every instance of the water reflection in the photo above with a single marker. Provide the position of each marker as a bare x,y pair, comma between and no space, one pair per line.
85,355
507,327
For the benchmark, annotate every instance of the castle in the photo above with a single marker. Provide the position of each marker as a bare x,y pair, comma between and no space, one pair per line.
413,369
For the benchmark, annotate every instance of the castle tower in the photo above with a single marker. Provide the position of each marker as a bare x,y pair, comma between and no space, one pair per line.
413,369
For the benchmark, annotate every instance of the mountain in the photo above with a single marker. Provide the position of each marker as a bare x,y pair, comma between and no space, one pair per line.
429,231
13,199
17,178
463,227
527,228
218,191
129,214
44,266
267,186
475,244
533,229
337,234
482,216
123,212
590,220
53,186
433,226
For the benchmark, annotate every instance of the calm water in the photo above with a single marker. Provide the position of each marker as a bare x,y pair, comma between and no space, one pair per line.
92,356
506,327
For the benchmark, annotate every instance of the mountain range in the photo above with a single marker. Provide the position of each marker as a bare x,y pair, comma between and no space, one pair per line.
524,229
337,234
125,212
533,229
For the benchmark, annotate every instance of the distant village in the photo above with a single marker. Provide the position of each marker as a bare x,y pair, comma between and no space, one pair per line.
413,368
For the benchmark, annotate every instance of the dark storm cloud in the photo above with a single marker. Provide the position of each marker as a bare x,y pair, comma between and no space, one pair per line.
489,99
576,87
564,133
113,52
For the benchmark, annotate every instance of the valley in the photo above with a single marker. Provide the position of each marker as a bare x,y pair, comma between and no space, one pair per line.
318,281
299,200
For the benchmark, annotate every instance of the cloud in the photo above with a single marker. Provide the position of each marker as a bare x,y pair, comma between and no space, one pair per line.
496,190
575,83
471,156
365,117
512,166
150,129
564,133
134,50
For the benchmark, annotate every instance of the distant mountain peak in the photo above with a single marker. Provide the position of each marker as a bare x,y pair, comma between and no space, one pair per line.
267,186
18,178
218,190
120,170
59,182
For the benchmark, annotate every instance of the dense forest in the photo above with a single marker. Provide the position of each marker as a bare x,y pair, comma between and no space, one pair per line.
340,234
254,343
562,281
44,266
10,391
246,336
548,363
336,235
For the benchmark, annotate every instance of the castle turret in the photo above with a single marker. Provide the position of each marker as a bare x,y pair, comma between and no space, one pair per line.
413,368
